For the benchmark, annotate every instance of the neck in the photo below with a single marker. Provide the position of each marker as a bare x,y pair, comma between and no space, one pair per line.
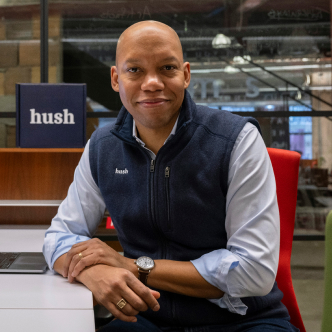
153,138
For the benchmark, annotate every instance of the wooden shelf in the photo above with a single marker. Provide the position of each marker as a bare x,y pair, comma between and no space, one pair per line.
33,183
31,202
20,150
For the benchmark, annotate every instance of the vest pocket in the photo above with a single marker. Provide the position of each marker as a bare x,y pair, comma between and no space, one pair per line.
167,174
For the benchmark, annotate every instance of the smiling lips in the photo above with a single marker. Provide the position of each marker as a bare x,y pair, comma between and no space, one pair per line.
152,102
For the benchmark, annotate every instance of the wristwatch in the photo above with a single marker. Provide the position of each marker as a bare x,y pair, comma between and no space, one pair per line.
145,265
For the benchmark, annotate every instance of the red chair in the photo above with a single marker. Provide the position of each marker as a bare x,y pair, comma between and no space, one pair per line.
286,170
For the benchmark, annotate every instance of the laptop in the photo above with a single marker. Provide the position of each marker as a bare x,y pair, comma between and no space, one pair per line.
22,262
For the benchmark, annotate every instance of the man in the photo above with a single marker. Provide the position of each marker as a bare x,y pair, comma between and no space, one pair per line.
191,193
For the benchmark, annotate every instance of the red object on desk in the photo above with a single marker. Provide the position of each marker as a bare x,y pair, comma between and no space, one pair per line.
286,170
109,223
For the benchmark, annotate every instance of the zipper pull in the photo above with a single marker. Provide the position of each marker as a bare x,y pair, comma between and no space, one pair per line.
152,166
167,170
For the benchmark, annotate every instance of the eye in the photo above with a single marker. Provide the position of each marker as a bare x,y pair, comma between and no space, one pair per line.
133,70
169,67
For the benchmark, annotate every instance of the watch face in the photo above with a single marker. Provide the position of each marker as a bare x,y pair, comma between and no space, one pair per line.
145,263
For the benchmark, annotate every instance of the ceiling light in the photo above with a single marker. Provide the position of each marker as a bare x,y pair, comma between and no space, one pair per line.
231,70
221,41
269,107
307,80
242,60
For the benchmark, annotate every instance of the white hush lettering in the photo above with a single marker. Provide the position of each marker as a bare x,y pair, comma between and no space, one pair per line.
66,115
35,117
50,118
58,118
121,171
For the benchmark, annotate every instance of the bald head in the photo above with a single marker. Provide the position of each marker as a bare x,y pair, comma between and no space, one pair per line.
148,32
150,76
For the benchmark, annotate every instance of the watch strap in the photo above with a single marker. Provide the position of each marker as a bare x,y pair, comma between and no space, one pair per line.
143,276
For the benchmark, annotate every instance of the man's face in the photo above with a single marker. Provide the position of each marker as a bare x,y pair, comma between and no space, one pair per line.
150,76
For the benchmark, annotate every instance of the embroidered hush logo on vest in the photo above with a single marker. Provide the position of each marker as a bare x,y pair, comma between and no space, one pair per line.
121,171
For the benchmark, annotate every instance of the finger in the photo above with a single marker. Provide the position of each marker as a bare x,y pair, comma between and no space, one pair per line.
88,260
92,245
81,262
70,254
66,264
118,314
155,294
134,300
72,265
144,293
128,309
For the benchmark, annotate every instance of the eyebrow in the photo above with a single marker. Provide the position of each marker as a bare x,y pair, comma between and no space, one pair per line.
170,58
132,60
135,60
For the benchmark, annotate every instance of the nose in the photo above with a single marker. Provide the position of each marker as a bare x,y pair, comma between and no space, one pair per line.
152,82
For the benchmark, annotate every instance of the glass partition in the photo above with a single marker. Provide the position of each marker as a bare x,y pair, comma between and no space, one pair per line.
246,57
268,59
19,57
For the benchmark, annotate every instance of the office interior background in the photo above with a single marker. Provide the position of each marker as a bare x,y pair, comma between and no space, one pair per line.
262,58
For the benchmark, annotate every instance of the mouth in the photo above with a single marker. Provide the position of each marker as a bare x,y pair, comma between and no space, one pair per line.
152,102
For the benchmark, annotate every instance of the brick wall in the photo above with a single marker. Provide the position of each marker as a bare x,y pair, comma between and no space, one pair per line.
20,62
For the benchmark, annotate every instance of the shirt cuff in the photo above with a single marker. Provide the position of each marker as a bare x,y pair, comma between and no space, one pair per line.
64,242
233,304
214,268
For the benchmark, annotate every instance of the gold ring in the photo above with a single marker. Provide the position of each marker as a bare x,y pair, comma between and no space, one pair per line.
80,255
121,304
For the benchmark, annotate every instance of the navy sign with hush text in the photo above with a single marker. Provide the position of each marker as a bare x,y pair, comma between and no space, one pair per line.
50,115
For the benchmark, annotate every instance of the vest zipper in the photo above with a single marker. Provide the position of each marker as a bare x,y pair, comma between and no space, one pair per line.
167,173
159,232
152,189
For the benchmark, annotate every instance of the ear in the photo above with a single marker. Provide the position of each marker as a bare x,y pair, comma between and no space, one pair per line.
114,79
187,75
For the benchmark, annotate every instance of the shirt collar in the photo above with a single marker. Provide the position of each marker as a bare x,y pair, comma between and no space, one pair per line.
168,138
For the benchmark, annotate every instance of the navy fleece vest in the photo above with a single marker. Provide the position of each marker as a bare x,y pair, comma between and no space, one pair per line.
174,208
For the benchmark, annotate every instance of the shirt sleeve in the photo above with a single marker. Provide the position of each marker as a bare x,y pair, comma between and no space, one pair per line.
78,215
248,265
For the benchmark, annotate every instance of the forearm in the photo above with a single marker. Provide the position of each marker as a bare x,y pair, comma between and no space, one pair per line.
173,276
180,277
59,264
83,277
59,267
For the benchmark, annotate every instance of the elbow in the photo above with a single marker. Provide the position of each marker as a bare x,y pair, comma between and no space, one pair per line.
258,282
263,285
252,278
266,288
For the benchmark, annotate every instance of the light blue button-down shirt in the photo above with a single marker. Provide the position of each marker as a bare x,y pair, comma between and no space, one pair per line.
248,265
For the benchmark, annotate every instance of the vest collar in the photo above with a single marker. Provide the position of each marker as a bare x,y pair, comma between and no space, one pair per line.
124,124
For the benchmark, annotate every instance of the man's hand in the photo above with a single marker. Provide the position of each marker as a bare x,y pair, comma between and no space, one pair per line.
172,276
93,252
110,284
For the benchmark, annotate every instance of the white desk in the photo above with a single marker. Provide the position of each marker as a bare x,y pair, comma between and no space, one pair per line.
40,302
